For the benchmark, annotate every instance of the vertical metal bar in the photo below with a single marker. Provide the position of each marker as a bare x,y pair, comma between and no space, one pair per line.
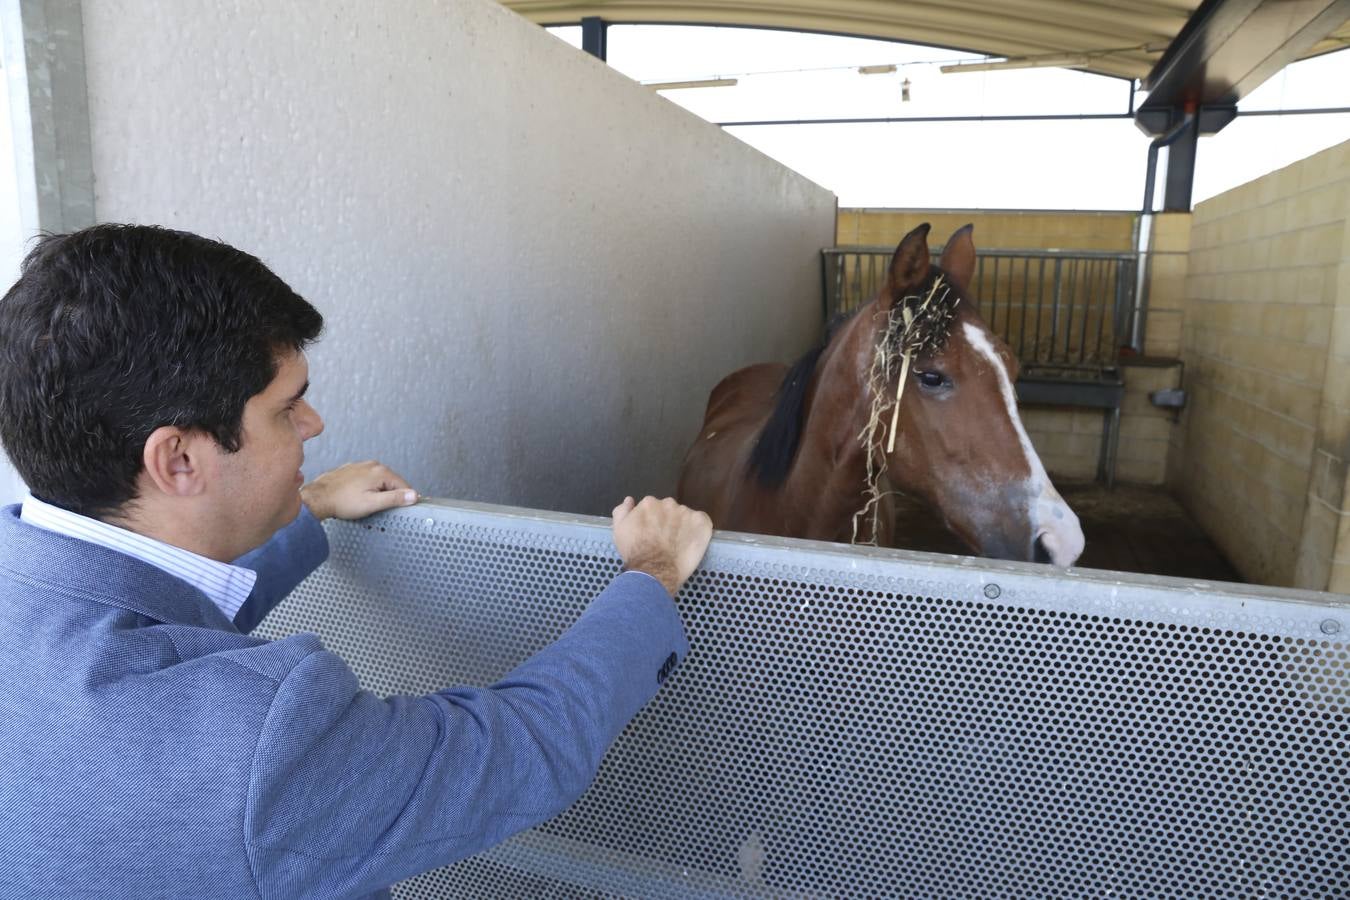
825,257
864,279
854,286
1125,280
979,287
1008,302
993,301
1106,462
840,265
1068,318
1109,266
1040,309
1181,168
1022,330
1088,284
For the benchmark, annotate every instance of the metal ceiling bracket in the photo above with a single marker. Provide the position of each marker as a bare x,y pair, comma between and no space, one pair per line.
594,37
1229,47
1157,122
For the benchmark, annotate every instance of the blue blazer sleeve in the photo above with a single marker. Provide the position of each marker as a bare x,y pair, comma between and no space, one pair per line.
350,793
281,563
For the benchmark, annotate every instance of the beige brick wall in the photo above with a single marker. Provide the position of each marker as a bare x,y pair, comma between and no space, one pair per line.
1167,266
1006,229
1145,430
1261,456
1068,440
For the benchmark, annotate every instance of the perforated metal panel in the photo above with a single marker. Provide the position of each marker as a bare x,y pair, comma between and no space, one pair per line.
871,723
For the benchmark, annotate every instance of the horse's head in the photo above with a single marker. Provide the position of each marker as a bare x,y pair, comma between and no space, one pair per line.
959,442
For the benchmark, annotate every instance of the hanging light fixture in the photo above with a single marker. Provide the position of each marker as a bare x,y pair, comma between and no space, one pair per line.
904,91
682,85
1062,61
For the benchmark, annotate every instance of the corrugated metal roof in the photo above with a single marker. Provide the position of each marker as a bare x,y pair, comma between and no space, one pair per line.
1121,37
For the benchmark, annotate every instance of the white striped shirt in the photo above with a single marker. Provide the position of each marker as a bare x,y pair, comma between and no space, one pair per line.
224,585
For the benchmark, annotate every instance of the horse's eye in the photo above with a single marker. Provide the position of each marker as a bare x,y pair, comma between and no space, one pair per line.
931,379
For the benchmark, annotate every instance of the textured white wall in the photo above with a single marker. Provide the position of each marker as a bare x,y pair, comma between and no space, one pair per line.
533,269
12,234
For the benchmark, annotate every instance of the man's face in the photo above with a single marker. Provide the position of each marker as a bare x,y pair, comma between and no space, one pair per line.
260,490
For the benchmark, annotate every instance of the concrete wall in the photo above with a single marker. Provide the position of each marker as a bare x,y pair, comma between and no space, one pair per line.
533,269
46,180
1262,462
12,245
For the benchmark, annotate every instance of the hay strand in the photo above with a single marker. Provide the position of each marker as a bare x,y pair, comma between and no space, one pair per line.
914,325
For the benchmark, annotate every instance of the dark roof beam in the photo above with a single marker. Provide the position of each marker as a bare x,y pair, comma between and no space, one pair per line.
1226,50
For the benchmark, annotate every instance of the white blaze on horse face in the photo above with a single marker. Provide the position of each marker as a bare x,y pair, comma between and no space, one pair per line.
1053,523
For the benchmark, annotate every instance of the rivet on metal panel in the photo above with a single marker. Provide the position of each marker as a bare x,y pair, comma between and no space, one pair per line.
992,591
1331,626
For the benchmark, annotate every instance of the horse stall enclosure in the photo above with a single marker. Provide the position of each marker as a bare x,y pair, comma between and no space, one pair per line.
1239,303
534,270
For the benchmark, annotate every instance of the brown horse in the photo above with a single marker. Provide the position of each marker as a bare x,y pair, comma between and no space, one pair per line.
911,392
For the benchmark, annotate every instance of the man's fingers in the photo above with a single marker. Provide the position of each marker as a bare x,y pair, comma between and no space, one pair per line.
357,490
393,484
378,501
622,510
389,480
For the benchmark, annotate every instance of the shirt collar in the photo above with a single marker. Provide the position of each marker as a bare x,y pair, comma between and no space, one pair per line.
224,585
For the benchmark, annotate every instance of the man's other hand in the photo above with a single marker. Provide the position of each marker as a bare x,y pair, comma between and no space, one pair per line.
661,538
356,490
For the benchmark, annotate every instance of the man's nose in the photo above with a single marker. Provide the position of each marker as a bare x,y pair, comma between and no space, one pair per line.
313,423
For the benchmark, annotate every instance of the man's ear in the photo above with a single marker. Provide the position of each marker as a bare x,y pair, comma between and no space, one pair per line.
177,462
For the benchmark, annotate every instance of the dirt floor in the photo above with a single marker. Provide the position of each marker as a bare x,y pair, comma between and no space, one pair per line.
1129,528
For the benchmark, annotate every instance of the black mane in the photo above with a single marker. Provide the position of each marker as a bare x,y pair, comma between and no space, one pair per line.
777,443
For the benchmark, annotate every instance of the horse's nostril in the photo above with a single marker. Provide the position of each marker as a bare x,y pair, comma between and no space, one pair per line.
1040,554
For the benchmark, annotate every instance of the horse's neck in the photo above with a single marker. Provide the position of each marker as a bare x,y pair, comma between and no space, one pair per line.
830,472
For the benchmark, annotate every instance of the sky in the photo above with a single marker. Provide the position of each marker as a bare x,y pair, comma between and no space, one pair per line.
1079,164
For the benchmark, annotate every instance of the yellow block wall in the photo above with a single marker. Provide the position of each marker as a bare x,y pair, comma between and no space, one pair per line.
1004,229
1260,460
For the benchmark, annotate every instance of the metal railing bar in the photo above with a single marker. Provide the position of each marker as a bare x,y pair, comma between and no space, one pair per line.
1040,308
1103,296
1022,330
1097,277
993,299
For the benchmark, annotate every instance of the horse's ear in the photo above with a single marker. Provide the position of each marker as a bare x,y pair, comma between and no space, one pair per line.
909,266
958,257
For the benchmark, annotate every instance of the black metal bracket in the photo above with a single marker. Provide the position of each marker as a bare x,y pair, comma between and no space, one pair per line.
594,34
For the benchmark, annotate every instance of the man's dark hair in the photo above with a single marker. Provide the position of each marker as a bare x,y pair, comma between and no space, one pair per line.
116,330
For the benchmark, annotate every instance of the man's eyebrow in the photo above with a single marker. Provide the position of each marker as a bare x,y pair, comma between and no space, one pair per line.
298,394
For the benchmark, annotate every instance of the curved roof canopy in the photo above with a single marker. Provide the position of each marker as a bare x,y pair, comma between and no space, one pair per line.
1125,38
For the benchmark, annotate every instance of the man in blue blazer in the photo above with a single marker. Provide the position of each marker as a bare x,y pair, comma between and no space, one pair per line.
152,395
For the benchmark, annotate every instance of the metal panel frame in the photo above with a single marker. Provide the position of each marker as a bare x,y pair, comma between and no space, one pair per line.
843,654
